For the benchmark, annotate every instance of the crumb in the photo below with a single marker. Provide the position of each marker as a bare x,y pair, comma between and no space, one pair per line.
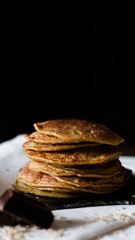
94,220
17,233
107,218
61,217
133,214
56,233
123,217
120,208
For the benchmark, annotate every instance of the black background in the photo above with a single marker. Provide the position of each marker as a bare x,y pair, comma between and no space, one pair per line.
67,64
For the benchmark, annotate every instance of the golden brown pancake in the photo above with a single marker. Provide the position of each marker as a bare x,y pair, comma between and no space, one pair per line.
59,194
82,156
99,170
55,194
42,180
41,138
76,130
82,182
29,145
56,189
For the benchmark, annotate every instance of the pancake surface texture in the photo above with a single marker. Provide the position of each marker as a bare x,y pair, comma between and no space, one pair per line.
82,156
77,130
29,145
99,170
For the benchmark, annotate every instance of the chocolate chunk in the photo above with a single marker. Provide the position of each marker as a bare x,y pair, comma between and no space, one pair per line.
11,219
16,208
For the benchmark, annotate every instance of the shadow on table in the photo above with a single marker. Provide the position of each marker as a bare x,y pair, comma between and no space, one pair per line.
64,223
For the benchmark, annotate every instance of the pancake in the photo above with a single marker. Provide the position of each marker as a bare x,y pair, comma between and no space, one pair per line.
29,145
99,170
82,156
76,130
82,182
22,187
42,180
82,191
55,189
41,138
51,193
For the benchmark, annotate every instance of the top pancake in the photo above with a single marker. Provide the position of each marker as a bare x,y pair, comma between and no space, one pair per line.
71,130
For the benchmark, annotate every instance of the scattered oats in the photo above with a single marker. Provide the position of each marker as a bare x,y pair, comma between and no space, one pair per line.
61,217
107,218
123,217
56,233
120,208
94,220
16,233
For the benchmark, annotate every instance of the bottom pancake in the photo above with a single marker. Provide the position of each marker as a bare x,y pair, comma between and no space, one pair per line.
22,187
63,193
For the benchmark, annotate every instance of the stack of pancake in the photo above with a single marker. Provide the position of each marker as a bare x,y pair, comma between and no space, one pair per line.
70,158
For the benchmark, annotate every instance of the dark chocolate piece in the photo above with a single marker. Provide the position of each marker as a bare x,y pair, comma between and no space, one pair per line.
11,219
16,208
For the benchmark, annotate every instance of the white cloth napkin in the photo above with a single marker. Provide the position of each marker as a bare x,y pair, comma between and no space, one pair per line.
107,222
